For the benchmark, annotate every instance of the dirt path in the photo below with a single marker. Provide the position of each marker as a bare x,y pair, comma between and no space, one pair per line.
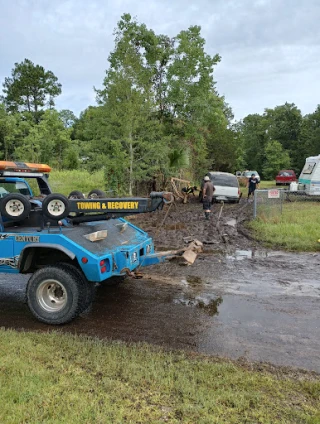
224,231
238,300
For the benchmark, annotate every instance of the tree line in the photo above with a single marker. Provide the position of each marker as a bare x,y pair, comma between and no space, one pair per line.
158,113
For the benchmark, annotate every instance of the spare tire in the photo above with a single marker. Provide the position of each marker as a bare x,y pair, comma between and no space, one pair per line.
55,206
97,194
15,206
76,194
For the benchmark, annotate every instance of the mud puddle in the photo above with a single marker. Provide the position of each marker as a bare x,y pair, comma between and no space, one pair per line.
237,300
264,308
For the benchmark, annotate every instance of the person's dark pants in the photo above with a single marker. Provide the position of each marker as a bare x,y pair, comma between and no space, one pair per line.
207,207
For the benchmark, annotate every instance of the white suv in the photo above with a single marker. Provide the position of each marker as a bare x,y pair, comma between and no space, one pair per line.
226,186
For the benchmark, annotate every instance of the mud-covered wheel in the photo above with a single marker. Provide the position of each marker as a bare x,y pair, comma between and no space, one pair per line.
15,206
76,194
55,206
54,295
97,194
89,286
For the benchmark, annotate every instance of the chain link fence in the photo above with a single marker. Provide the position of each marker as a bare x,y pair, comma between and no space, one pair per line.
270,203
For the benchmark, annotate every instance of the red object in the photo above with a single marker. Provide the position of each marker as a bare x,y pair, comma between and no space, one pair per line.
84,260
102,262
286,176
103,269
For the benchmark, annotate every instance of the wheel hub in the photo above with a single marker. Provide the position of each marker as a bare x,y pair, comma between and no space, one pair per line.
52,295
56,207
14,207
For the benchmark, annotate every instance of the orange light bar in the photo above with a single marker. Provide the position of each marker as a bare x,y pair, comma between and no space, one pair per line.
23,167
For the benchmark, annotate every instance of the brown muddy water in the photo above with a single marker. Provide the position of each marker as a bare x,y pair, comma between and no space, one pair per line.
237,300
263,306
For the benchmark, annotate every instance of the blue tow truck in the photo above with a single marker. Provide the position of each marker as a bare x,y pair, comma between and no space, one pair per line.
68,244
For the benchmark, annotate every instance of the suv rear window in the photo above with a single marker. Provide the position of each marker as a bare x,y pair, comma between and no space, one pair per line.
285,173
224,180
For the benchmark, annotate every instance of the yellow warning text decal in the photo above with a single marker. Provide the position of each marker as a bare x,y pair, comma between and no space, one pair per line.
123,205
98,206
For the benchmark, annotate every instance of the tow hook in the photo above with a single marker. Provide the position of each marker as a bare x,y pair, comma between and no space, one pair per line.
132,274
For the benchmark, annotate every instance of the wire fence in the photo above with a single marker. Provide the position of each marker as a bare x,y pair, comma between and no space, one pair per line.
270,203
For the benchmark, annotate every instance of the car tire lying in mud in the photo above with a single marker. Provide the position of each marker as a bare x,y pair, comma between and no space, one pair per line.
55,206
15,206
55,295
97,194
76,194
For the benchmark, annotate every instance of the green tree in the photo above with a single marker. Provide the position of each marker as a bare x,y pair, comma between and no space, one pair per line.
46,142
276,158
68,118
158,97
129,103
7,133
255,137
30,88
309,137
284,125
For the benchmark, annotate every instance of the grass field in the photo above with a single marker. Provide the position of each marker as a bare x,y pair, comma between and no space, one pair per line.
66,181
58,378
297,228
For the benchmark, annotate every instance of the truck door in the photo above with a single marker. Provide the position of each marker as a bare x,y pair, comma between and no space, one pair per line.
7,260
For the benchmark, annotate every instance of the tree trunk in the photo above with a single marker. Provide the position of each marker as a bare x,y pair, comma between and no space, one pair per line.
131,165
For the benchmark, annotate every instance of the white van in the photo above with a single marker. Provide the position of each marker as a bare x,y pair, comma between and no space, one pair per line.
309,180
226,185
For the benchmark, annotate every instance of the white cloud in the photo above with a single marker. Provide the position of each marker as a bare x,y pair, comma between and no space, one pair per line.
270,49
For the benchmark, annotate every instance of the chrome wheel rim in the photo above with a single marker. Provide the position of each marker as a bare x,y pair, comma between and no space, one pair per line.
52,295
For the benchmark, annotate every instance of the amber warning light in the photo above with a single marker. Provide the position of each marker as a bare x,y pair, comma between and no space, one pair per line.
24,167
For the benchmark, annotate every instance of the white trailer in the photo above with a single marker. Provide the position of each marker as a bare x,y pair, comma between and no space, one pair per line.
309,179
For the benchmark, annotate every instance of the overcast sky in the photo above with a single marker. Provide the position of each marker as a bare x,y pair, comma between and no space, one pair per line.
270,49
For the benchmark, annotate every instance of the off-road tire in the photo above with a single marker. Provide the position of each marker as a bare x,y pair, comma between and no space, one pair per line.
49,286
76,194
89,286
97,194
15,206
55,200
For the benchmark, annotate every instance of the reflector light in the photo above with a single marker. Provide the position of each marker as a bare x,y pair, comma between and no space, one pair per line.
103,269
102,262
84,260
24,167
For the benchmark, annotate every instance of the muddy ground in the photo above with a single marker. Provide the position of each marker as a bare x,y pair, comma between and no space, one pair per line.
237,300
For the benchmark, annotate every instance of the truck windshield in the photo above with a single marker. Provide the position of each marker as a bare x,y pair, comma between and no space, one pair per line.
13,187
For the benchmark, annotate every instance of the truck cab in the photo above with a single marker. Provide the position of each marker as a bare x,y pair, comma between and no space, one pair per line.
14,177
14,185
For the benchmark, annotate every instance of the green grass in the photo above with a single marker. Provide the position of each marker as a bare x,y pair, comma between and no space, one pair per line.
59,378
298,228
66,181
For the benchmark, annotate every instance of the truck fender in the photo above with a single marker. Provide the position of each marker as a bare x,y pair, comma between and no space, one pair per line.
25,259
